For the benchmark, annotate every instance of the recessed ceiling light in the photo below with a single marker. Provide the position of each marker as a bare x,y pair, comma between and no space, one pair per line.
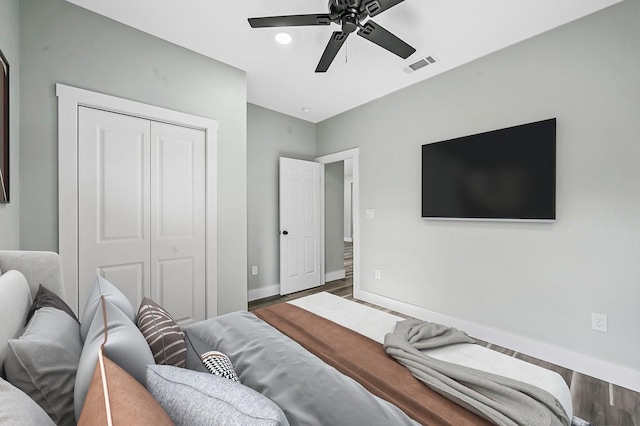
306,109
283,38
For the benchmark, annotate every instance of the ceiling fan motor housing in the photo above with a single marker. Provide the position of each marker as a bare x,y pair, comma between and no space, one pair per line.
350,22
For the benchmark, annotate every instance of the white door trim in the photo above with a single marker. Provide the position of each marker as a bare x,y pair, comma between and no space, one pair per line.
69,99
352,154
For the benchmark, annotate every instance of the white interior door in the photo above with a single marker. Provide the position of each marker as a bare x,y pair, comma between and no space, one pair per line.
300,225
141,210
113,203
178,220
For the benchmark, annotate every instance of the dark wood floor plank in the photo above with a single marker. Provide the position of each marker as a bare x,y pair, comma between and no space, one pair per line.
626,400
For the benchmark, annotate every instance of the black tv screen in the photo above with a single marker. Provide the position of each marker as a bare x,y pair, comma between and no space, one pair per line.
507,174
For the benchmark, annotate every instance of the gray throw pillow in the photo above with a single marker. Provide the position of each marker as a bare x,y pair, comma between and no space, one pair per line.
46,298
195,347
102,287
124,345
18,409
43,362
15,300
194,398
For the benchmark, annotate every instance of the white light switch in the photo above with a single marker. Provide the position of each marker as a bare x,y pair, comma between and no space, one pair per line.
254,270
370,213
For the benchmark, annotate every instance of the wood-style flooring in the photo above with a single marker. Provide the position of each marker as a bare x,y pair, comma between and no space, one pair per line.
600,403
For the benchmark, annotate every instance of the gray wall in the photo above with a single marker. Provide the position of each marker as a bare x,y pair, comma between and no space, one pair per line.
9,219
270,135
334,217
63,43
539,281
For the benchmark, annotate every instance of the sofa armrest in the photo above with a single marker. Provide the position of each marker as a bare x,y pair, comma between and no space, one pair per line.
38,267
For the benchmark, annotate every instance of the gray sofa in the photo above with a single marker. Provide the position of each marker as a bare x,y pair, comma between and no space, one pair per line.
37,267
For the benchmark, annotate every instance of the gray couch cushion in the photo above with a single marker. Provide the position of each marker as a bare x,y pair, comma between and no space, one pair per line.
15,300
124,345
18,409
38,267
102,287
194,398
43,362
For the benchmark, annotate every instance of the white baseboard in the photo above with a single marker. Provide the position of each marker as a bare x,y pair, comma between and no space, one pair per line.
334,275
348,240
612,373
261,293
274,290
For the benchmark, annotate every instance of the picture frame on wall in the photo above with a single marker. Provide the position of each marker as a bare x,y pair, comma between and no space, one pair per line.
4,129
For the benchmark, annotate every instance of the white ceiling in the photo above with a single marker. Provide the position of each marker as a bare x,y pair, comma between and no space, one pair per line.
282,78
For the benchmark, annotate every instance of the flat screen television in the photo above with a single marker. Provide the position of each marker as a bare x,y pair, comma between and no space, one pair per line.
506,174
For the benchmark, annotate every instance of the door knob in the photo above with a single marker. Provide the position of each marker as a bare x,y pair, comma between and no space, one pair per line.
285,232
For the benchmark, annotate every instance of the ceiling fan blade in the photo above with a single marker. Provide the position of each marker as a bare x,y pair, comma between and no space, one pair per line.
374,7
383,38
290,21
333,47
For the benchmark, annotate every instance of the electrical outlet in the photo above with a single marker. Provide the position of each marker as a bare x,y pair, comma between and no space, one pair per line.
599,322
377,273
254,270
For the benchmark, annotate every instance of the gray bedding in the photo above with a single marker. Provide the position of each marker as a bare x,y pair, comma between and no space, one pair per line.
309,391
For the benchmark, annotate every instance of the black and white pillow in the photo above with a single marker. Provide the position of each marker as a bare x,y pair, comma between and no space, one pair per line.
219,364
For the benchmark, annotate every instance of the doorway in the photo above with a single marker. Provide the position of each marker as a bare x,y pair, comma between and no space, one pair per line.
337,230
346,244
354,249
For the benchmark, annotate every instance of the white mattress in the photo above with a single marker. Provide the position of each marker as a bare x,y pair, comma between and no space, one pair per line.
375,324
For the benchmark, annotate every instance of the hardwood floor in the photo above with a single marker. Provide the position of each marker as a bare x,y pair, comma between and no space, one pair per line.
600,403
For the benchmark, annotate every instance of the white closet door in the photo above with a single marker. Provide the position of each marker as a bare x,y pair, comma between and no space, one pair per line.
113,203
141,210
178,220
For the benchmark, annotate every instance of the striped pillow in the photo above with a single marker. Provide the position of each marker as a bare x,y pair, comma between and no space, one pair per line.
163,334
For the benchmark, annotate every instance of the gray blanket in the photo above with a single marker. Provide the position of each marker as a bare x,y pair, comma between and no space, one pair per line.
499,399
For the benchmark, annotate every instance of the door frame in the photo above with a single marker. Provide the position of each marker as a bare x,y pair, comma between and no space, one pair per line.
352,154
69,99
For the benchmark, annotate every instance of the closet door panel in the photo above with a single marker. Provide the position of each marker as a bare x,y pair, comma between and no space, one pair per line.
113,202
132,275
178,220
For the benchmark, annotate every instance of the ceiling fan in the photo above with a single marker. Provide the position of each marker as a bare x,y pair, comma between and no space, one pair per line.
351,15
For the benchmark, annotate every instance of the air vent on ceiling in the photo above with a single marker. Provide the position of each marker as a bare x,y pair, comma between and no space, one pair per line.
419,64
